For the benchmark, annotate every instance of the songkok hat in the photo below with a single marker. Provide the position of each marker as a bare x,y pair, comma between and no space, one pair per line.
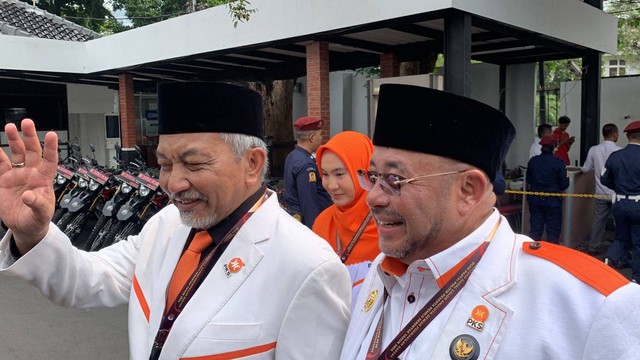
308,123
548,140
199,107
633,127
438,123
564,119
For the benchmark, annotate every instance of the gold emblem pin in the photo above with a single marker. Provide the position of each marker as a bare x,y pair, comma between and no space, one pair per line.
370,300
312,177
464,347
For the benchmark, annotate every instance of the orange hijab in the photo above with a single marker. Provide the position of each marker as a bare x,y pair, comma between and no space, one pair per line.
354,149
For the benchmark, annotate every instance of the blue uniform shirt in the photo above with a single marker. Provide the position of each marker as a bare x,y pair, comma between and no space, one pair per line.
547,173
621,172
303,192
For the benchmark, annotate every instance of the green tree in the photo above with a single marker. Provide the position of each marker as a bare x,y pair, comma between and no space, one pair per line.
628,14
145,12
91,14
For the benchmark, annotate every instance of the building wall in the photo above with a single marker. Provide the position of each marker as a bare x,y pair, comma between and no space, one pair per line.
88,106
350,103
348,94
619,105
519,106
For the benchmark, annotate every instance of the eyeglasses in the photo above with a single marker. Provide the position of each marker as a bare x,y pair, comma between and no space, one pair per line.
391,183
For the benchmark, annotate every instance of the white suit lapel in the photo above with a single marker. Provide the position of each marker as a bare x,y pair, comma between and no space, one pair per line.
370,301
221,283
494,275
158,297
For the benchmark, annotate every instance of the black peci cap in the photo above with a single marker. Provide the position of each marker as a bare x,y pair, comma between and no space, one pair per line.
196,107
435,122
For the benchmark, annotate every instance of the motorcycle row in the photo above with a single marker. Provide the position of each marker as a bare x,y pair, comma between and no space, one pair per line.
107,203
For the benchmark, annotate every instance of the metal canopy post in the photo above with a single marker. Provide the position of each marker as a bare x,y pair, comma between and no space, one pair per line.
457,54
503,88
590,106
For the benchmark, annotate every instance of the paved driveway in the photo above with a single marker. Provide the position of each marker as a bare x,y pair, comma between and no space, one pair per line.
32,328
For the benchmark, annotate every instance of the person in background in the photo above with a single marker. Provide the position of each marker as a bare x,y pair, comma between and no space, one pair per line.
453,280
347,225
536,148
596,158
304,195
221,273
622,174
499,184
563,140
546,173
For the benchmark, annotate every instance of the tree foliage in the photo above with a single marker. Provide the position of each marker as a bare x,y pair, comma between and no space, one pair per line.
145,12
628,14
91,14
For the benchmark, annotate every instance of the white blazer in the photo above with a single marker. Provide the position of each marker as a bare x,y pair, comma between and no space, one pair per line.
545,303
290,300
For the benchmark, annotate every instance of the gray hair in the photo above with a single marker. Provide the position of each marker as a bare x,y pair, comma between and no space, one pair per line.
240,143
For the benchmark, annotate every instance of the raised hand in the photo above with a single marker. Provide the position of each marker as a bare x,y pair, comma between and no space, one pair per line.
27,200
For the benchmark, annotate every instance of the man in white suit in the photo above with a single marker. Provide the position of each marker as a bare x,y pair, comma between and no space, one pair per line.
221,273
453,280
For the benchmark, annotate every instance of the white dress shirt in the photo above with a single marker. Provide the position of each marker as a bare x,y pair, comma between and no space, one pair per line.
597,156
536,148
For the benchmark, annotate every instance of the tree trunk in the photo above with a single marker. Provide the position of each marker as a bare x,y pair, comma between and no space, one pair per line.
418,67
277,104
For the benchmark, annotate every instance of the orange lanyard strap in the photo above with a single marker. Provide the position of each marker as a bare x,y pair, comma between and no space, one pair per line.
428,312
196,278
345,255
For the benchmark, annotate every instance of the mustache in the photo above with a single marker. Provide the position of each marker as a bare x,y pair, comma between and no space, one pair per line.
187,195
386,213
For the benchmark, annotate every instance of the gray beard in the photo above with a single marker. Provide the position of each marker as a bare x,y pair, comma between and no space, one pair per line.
412,246
190,220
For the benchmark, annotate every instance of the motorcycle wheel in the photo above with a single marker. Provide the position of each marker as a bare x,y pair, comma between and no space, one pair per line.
102,233
75,227
97,228
121,231
58,214
65,220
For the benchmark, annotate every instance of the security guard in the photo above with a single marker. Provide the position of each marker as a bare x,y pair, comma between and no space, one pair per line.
546,173
622,174
303,192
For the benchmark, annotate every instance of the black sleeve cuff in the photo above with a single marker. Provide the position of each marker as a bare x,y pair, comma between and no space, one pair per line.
14,249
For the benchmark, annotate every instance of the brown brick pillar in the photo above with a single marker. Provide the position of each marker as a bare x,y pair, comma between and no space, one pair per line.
127,111
389,65
318,103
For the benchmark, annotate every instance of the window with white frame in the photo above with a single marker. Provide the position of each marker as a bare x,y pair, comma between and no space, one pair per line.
617,67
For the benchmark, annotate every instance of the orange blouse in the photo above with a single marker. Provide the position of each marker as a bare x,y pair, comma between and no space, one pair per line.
354,149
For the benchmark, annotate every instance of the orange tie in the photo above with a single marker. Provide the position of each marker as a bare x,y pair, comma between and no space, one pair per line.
187,265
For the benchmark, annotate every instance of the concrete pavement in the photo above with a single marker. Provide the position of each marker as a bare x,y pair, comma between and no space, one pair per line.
32,328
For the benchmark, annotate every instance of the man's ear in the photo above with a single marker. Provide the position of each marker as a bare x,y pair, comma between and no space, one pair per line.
256,159
473,186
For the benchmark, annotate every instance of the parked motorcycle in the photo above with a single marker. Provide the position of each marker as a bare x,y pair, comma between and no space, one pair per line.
102,185
108,220
144,203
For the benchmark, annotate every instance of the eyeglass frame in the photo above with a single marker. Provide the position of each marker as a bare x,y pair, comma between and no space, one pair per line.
380,178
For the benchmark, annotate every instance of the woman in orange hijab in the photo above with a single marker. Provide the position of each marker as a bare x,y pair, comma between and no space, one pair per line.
347,224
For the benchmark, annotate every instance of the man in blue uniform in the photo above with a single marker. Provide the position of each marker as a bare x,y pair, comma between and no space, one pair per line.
546,173
303,192
622,174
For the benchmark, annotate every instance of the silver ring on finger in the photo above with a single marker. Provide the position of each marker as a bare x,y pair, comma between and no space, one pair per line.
17,165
